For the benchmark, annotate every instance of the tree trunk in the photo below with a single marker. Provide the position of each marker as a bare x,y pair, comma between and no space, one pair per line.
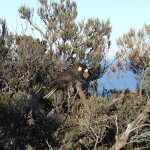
122,140
82,95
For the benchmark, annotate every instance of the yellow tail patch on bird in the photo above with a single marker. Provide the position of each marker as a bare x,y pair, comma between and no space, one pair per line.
79,68
50,93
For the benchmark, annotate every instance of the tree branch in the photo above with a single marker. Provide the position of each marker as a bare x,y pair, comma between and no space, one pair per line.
114,100
122,140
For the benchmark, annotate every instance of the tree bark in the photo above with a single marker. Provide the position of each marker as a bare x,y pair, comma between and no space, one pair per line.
82,95
122,140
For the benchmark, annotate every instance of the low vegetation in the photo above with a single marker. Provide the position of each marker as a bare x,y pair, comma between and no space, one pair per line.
74,117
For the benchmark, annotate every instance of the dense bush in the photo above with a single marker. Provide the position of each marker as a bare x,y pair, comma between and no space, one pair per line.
74,117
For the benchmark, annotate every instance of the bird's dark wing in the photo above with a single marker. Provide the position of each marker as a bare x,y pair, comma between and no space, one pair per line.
65,78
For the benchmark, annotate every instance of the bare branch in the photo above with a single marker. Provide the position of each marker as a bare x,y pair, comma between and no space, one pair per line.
122,140
113,101
49,146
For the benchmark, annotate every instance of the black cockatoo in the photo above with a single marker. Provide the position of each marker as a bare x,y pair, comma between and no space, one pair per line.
67,77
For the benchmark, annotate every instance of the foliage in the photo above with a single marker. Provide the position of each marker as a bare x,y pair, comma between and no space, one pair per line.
134,47
64,121
68,40
95,128
135,50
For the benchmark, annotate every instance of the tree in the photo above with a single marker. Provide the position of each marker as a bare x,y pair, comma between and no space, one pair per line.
27,121
69,41
134,56
30,63
135,50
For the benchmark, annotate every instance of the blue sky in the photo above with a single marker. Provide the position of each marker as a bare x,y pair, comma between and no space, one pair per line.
123,15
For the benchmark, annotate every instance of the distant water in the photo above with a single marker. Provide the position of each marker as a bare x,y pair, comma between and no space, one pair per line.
125,80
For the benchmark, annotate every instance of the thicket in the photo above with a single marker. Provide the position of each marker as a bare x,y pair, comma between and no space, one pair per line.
74,117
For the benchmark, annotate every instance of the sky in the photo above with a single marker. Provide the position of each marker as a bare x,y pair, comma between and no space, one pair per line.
123,14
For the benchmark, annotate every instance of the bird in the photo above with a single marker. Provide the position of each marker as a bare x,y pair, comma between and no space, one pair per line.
66,77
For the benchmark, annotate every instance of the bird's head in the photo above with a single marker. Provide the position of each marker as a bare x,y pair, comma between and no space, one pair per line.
82,70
